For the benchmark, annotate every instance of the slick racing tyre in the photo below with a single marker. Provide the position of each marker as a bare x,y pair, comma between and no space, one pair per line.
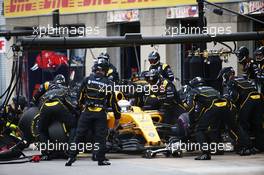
58,132
28,124
59,138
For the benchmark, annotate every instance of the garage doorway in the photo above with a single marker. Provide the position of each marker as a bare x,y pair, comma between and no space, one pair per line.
130,56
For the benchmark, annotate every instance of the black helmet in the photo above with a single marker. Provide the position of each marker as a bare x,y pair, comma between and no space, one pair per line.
242,53
104,56
154,58
225,73
59,79
259,53
101,64
152,76
197,81
19,101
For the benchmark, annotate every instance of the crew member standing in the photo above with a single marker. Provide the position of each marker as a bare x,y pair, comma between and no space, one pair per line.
259,69
112,73
163,69
96,95
259,54
248,63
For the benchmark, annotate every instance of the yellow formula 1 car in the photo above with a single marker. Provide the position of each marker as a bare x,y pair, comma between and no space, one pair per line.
139,131
138,125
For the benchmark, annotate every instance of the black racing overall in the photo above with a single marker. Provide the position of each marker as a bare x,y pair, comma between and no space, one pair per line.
164,70
55,106
94,99
250,104
209,113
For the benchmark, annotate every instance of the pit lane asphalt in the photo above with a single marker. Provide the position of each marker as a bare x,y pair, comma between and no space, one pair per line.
123,164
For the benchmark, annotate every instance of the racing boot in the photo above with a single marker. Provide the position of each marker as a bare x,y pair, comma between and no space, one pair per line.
103,163
204,156
244,152
94,158
254,150
70,161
